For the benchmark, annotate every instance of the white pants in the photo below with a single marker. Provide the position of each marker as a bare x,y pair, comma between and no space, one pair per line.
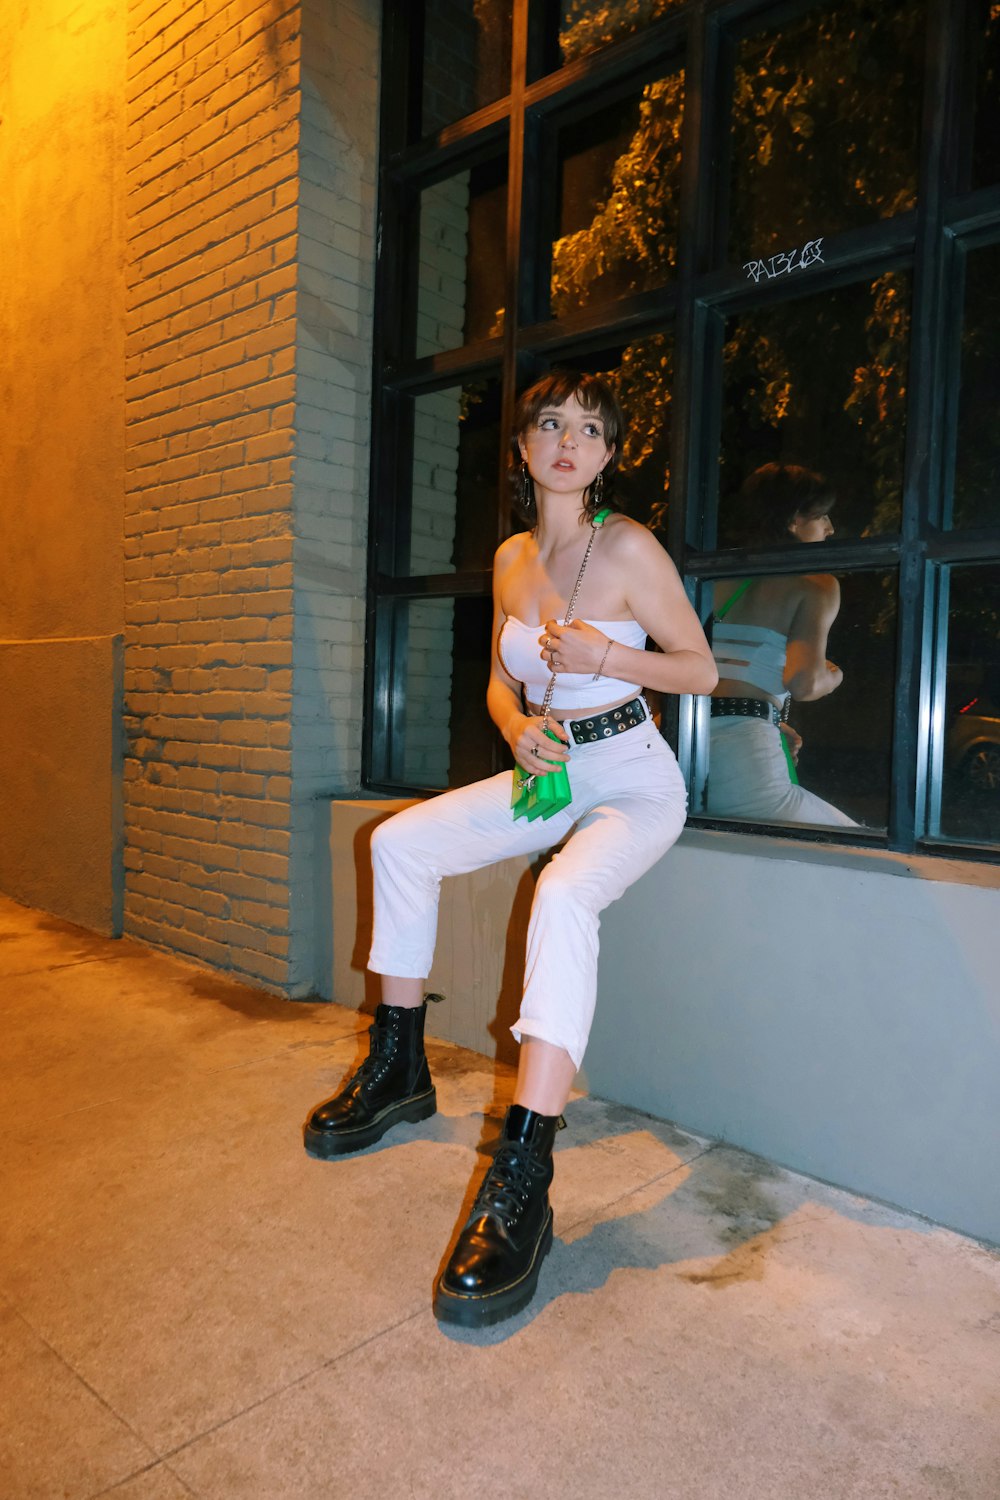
628,807
748,778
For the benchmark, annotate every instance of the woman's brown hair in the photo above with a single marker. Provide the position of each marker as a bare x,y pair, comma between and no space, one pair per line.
775,494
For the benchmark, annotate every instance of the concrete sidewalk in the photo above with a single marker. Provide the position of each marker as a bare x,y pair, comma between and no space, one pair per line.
192,1306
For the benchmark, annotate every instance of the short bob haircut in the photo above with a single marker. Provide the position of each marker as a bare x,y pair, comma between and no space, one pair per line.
775,494
555,389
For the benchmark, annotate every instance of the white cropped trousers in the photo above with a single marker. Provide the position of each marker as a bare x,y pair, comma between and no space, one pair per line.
628,808
748,778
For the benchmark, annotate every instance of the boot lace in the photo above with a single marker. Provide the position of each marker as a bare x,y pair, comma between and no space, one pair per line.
381,1051
506,1187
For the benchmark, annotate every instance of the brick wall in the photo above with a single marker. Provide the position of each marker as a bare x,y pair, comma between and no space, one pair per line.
337,177
213,106
425,640
250,201
443,249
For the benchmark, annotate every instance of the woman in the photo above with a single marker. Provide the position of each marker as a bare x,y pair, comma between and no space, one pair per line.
769,639
627,808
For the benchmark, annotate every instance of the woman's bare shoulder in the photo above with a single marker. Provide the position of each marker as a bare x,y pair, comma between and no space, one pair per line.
511,551
822,586
633,543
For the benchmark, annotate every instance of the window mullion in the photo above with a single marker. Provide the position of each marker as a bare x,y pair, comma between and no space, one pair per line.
915,669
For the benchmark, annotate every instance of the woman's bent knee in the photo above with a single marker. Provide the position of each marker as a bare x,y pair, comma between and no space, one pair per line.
390,838
562,889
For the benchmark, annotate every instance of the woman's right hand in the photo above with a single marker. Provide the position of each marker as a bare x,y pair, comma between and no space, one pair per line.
531,746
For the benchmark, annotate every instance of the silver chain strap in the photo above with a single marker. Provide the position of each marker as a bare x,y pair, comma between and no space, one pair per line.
567,617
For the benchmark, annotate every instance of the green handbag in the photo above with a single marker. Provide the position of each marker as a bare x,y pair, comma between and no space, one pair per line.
534,796
540,796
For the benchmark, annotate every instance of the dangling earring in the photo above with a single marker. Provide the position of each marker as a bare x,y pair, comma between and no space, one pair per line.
527,488
597,488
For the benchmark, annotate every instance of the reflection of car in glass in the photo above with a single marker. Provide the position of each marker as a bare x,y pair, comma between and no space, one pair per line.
972,747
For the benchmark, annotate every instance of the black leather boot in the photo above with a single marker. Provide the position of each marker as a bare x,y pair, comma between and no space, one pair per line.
392,1084
493,1270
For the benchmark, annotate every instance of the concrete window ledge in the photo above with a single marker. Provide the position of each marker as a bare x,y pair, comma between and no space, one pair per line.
836,1010
846,856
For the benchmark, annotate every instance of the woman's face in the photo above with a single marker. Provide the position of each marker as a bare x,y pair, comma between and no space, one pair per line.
811,528
566,449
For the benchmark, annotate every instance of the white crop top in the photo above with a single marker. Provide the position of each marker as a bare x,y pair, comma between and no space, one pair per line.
752,654
521,657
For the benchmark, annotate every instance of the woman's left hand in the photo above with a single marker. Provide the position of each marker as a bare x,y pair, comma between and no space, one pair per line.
576,647
792,740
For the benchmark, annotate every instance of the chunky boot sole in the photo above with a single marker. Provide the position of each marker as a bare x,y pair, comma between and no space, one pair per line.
325,1144
485,1309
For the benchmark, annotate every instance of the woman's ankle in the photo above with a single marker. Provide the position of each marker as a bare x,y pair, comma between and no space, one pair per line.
405,993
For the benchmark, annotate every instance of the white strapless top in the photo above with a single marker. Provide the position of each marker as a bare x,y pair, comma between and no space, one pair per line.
521,657
752,654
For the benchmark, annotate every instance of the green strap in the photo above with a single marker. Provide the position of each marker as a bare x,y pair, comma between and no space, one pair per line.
793,774
601,516
720,614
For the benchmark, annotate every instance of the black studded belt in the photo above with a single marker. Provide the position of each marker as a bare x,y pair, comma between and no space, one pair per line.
745,708
605,726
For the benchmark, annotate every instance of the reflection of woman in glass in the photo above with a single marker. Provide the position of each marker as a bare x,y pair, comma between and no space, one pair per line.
627,808
769,640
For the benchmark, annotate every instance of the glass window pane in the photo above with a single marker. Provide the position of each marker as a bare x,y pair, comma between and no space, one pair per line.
460,271
456,450
986,152
642,374
466,58
575,28
829,766
819,383
977,450
825,124
617,203
441,734
970,775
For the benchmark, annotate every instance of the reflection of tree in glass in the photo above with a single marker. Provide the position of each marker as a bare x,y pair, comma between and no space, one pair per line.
634,232
643,378
806,159
791,121
878,398
822,381
586,26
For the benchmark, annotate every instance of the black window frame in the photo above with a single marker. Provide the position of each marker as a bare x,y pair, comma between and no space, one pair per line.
701,37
